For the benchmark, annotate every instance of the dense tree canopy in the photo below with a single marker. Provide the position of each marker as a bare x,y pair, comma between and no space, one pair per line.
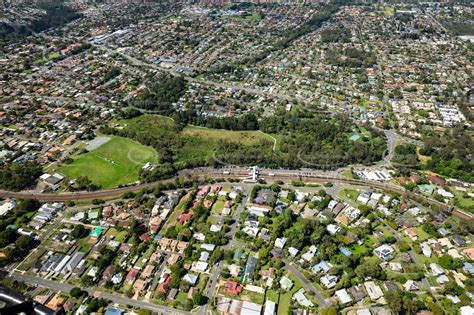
161,94
451,154
16,176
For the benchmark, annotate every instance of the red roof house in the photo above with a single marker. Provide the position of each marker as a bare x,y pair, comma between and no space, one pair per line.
233,287
165,285
185,217
132,274
437,180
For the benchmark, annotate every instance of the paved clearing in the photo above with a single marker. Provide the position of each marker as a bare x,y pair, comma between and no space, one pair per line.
97,142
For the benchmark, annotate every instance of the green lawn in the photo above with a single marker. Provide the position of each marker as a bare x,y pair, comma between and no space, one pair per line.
349,194
422,235
111,233
181,298
114,163
272,296
145,256
52,56
218,206
359,250
121,236
252,297
84,245
347,174
202,141
192,142
284,303
389,11
243,137
212,219
464,202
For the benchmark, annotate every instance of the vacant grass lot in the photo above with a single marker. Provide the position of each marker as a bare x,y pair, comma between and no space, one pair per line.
192,142
244,137
116,162
349,194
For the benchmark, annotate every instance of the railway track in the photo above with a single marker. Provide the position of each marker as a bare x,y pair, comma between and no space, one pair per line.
216,174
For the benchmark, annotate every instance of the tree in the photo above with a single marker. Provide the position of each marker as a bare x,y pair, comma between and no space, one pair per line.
435,309
228,255
24,242
403,246
369,269
217,255
28,205
394,300
453,288
329,311
446,261
7,237
79,231
87,281
198,298
75,292
84,183
17,176
409,305
429,228
95,305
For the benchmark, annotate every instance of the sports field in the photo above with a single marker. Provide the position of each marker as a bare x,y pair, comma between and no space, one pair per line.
116,162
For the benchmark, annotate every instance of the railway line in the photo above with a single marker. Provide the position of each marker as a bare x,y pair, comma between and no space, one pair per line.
201,173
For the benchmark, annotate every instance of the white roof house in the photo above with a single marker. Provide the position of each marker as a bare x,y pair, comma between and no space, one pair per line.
117,278
199,236
301,298
215,228
293,251
204,256
190,278
466,310
270,308
373,290
258,211
6,207
436,270
251,231
329,281
322,266
425,248
410,285
208,247
384,252
199,266
308,256
333,229
280,242
343,296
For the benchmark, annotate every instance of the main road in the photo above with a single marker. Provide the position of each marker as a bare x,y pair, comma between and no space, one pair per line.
98,292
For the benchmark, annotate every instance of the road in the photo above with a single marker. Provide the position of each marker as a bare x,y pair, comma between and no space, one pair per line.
215,276
147,65
105,295
413,257
58,221
210,291
309,286
396,234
